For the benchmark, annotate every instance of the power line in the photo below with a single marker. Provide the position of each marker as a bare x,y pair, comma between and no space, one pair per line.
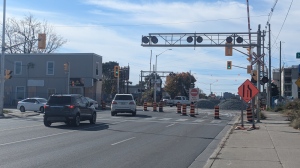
283,22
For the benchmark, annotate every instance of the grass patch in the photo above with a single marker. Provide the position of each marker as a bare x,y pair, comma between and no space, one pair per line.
292,111
6,111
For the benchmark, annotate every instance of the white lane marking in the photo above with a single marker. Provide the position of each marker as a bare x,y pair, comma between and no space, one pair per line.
170,125
198,120
123,141
20,128
151,118
165,119
119,122
25,140
215,121
182,119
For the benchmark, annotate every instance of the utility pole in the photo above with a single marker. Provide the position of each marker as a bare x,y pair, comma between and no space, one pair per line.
2,62
279,73
269,82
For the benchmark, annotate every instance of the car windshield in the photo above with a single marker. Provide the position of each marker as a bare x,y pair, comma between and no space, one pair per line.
59,100
123,97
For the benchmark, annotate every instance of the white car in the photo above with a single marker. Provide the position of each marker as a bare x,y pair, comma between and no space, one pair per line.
32,104
123,103
93,102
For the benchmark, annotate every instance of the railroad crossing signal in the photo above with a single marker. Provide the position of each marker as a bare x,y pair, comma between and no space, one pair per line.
247,91
229,64
116,71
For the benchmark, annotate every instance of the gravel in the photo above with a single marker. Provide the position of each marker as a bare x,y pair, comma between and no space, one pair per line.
229,104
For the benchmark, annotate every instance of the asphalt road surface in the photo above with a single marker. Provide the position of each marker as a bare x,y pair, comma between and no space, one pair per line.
149,139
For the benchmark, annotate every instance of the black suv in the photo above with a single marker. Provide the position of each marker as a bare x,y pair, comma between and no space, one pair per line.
68,108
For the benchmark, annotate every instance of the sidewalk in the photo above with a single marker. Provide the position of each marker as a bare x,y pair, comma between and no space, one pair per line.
274,145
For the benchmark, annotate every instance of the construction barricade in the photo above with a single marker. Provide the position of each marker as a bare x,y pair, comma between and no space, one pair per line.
145,106
217,112
178,107
183,110
160,106
192,110
249,114
154,106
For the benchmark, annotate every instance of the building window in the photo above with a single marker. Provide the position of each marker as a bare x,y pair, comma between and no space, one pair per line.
51,91
18,68
97,68
20,92
50,68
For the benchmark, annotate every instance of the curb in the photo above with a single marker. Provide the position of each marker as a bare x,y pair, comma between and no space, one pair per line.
213,157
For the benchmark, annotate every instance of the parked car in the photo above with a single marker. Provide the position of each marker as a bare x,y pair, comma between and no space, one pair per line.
178,99
165,99
123,103
32,104
68,108
93,102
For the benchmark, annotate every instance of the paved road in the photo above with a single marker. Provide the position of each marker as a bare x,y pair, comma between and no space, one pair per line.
150,139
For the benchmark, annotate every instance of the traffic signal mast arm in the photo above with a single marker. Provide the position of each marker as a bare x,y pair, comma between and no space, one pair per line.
32,40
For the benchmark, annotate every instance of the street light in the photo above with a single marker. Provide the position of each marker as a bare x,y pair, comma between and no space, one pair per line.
210,86
156,73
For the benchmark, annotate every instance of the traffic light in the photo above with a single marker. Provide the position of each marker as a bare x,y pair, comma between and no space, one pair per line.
66,66
192,85
228,49
8,74
116,71
229,64
254,76
41,41
249,54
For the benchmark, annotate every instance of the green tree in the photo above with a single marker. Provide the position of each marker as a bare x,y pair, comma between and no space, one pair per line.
22,34
109,85
179,83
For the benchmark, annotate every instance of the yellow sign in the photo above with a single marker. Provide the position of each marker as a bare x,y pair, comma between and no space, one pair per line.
298,82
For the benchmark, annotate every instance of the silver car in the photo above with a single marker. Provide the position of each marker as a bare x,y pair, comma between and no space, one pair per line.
32,104
123,103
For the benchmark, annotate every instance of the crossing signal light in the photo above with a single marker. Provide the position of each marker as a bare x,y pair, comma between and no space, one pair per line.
228,49
116,71
229,64
41,41
254,76
66,67
8,74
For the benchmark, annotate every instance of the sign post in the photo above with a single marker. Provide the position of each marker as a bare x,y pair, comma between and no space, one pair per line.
247,91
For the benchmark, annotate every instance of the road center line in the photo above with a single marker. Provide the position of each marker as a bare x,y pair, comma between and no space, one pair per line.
123,141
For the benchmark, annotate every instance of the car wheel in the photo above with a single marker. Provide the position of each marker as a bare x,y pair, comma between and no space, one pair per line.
47,123
76,121
93,119
42,109
112,113
22,109
134,113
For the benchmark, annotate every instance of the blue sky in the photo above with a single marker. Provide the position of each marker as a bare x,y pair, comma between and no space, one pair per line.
113,29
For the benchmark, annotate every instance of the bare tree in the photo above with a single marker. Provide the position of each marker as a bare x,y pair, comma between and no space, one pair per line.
21,36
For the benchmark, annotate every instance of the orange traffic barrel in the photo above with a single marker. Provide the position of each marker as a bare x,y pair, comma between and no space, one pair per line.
145,106
184,109
154,106
249,114
103,105
178,107
160,106
192,110
217,112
